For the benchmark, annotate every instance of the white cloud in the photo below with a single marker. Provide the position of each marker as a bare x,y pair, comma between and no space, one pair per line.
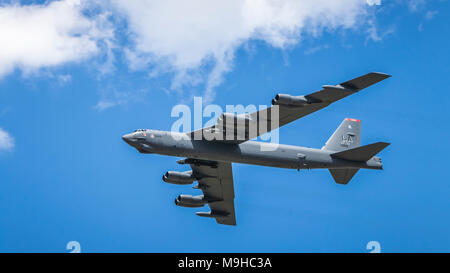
195,41
430,14
415,5
47,35
185,37
373,2
6,141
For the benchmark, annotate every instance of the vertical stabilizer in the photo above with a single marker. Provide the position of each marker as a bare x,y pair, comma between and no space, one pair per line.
343,176
346,136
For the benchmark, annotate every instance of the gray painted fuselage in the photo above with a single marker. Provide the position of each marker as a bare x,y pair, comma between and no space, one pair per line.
249,152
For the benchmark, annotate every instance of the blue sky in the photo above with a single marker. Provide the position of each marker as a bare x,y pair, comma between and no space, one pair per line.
66,174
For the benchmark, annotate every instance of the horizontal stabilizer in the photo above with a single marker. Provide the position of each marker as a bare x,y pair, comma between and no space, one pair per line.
343,176
362,153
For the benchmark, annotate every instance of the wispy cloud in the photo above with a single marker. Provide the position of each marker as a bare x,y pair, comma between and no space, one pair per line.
111,98
64,79
374,2
430,14
415,5
6,141
105,104
315,49
374,34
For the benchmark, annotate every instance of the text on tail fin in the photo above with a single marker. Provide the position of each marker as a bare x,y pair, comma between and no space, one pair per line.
346,136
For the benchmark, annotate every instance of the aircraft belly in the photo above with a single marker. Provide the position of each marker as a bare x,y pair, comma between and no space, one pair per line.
256,153
247,154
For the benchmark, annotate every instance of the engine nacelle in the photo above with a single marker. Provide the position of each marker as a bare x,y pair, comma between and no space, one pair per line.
235,119
285,99
179,178
190,201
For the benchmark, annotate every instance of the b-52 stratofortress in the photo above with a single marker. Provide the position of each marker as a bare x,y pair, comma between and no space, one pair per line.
210,158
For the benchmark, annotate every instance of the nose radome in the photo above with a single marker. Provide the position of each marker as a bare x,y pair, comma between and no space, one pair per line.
127,138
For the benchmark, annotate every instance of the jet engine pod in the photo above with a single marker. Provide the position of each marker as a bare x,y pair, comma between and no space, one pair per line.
179,178
189,201
233,118
285,99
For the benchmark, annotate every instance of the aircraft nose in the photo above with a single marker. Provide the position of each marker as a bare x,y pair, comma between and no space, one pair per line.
128,138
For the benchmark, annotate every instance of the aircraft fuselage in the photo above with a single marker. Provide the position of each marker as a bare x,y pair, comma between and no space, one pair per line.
249,152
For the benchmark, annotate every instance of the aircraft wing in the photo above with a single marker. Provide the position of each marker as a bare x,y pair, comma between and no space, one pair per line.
216,182
287,108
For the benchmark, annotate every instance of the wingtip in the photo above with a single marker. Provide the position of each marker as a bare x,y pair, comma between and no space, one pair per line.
381,74
385,144
365,81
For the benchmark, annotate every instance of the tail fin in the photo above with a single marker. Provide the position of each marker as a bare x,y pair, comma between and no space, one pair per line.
363,153
345,143
346,136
